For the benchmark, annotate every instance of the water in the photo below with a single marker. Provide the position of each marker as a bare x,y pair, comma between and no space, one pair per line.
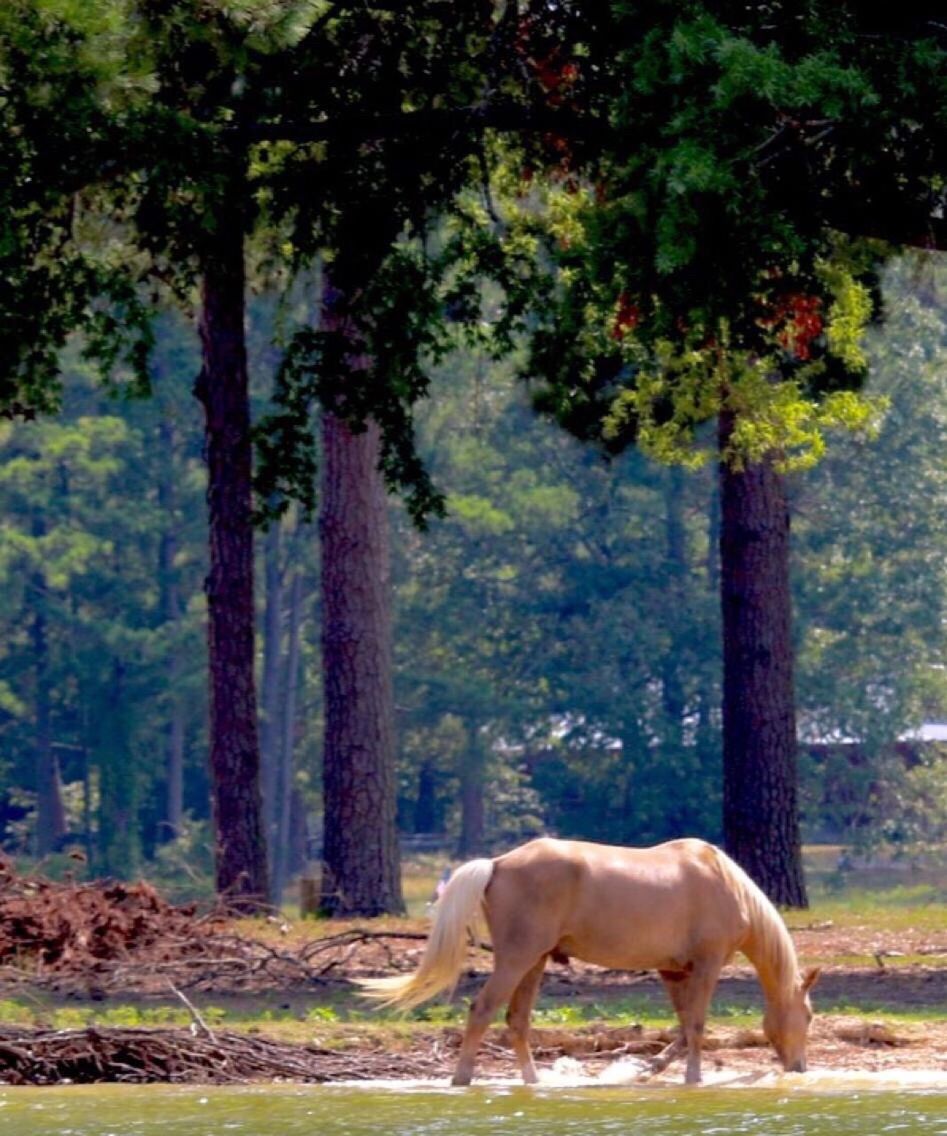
488,1110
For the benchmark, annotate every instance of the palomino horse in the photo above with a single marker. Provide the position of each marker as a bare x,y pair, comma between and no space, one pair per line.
682,908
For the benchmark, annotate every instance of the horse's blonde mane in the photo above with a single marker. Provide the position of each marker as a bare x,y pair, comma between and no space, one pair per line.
773,951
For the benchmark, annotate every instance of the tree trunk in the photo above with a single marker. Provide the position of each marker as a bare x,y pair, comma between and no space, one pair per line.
472,790
171,614
284,779
760,810
426,816
672,685
270,725
361,870
50,813
223,389
119,843
298,844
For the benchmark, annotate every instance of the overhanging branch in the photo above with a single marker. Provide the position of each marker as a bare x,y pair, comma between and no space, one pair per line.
361,127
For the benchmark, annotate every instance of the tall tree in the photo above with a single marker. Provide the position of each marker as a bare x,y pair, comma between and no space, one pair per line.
377,185
143,115
360,862
760,788
50,813
707,157
171,615
223,389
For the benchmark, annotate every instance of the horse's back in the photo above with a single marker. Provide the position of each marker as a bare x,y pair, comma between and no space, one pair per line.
620,907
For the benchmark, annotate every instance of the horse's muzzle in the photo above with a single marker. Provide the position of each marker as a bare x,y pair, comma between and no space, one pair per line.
797,1066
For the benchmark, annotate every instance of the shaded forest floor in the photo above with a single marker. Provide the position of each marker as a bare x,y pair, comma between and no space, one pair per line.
109,982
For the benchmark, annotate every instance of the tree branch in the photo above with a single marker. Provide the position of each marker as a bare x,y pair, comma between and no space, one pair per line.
504,116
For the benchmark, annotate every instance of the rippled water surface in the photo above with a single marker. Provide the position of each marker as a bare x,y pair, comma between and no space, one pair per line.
487,1110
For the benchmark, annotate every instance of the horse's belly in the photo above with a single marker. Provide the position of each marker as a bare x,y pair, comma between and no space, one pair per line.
643,952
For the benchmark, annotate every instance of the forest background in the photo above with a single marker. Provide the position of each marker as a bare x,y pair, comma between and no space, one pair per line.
558,638
539,625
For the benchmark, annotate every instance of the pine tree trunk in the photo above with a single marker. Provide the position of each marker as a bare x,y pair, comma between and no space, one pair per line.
284,780
760,810
234,748
472,790
119,843
298,843
708,736
426,814
50,813
50,810
673,696
171,615
270,725
361,870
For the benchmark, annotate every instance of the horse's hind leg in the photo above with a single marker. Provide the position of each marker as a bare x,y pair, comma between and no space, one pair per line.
498,989
517,1019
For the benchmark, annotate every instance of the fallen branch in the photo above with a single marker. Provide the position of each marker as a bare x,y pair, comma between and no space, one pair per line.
176,1056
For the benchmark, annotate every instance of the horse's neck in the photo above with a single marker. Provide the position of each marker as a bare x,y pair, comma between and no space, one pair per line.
773,964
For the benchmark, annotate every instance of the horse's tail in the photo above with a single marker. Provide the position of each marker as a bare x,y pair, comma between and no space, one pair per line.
443,957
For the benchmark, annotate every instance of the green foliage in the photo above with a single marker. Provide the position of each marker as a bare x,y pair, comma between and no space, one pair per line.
395,322
65,78
663,238
80,552
322,1014
538,612
871,583
183,868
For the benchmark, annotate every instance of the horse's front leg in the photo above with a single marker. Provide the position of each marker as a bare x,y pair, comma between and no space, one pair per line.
690,991
669,1053
700,990
675,983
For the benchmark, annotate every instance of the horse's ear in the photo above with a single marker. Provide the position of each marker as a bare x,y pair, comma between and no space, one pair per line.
810,978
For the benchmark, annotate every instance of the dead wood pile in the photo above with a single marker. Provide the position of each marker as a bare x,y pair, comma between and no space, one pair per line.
64,925
181,1056
92,939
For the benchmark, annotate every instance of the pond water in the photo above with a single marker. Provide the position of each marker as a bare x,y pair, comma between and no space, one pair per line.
488,1110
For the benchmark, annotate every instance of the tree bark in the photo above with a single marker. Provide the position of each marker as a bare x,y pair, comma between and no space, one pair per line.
171,614
673,695
282,857
50,812
361,870
270,726
760,808
472,790
119,846
426,816
223,389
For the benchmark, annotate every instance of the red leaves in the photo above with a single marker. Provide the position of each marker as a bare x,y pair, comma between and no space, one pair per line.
797,321
627,317
554,74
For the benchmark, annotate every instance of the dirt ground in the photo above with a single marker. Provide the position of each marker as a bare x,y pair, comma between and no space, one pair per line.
855,1040
850,1041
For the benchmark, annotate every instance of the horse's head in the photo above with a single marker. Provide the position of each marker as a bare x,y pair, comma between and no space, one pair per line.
787,1024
